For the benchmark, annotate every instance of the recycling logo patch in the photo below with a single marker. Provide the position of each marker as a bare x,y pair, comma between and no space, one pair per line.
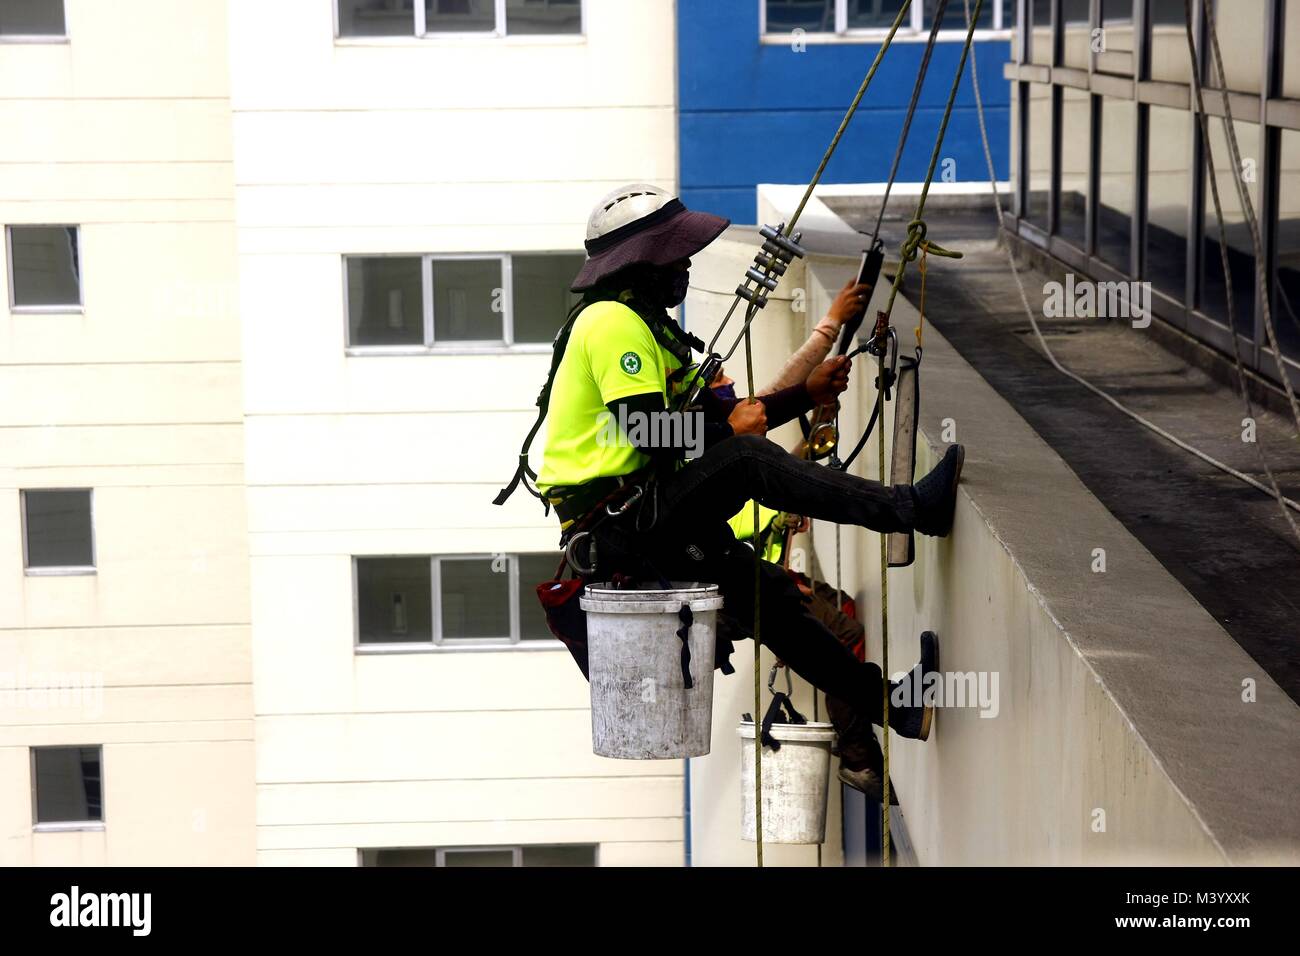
631,363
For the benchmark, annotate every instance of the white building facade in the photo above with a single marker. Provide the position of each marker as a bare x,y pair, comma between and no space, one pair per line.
126,720
281,283
410,211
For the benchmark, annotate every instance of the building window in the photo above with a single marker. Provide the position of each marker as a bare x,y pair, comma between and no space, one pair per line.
58,531
811,16
954,18
1039,138
1291,49
67,786
1287,306
1040,32
427,302
1117,33
1169,194
875,14
543,17
451,600
1286,310
872,16
1116,183
375,18
1076,123
1241,249
32,18
1076,33
1170,61
575,855
44,268
1240,25
365,18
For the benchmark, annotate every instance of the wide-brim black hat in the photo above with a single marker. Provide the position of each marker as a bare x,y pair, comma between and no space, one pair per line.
661,238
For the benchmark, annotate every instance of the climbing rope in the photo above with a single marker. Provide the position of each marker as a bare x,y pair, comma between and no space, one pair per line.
698,381
908,251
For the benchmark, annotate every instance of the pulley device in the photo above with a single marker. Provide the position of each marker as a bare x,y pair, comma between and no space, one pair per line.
780,248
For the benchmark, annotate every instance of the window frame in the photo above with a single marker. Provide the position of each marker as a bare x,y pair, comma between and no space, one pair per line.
431,345
69,570
914,28
68,826
516,848
516,853
1267,111
507,302
420,31
70,308
438,641
1118,63
63,37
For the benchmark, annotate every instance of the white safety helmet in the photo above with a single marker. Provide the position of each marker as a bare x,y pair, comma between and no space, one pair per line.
624,205
642,224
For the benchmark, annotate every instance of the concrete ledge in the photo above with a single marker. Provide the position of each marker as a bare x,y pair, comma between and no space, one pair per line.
1121,699
1121,736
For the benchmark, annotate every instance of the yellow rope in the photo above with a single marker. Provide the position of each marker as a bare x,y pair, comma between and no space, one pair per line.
915,242
920,320
884,631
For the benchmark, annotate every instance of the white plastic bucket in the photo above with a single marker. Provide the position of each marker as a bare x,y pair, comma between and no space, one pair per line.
640,706
796,781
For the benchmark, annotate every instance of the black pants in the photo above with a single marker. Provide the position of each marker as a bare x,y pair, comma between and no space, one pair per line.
688,539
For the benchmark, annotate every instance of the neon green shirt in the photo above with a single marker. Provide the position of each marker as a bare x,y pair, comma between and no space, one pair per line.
611,354
742,526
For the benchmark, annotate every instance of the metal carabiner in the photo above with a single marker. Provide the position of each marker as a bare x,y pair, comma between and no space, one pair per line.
628,502
771,680
572,561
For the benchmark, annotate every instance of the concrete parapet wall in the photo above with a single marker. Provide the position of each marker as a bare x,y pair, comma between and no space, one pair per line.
1129,726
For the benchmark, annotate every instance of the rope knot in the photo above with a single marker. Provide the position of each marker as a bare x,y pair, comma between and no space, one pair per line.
916,230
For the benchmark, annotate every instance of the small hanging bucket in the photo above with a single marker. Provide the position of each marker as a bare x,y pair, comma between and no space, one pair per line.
796,781
650,662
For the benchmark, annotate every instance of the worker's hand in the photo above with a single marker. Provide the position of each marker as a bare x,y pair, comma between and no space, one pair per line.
850,304
749,417
829,379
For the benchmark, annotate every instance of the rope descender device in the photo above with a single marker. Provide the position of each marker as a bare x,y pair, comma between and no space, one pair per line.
770,264
761,279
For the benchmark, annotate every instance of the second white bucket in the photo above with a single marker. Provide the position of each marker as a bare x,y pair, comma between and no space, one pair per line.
796,782
641,708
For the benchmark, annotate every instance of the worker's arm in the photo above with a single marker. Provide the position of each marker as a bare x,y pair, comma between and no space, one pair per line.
848,305
822,385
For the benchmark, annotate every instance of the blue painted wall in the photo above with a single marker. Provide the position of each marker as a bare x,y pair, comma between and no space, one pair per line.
752,112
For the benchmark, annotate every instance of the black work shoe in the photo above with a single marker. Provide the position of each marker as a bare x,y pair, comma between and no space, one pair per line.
936,494
913,718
